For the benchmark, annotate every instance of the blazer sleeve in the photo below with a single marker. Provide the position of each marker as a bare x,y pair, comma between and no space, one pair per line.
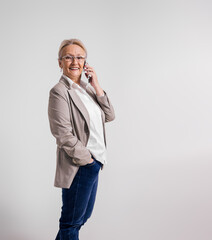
61,128
106,106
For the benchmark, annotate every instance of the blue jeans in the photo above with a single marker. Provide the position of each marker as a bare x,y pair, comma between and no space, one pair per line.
78,201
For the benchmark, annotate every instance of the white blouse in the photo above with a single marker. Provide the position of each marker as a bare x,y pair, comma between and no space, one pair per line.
96,144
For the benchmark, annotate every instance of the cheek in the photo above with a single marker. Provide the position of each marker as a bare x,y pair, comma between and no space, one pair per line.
67,65
81,68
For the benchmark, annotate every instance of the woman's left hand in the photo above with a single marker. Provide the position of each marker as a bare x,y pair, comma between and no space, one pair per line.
94,81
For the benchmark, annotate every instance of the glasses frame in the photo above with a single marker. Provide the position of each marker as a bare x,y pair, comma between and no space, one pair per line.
82,58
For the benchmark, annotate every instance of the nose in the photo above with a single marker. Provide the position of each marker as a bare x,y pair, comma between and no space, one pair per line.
74,60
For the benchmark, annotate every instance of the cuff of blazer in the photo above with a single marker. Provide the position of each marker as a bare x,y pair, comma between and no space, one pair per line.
103,98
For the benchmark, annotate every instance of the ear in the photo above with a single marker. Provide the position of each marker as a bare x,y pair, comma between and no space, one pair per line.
60,63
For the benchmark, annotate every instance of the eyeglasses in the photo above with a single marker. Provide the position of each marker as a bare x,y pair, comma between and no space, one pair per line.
69,58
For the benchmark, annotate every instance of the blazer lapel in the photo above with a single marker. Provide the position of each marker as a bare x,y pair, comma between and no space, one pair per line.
77,101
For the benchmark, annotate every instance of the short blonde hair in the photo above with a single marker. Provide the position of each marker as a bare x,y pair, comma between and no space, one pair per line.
69,42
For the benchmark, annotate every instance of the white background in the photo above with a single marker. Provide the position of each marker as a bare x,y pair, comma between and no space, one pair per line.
154,59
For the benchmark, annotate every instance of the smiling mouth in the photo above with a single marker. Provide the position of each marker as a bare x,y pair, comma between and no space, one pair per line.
74,68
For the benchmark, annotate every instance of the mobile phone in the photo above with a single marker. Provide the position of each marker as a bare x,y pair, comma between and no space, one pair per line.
89,76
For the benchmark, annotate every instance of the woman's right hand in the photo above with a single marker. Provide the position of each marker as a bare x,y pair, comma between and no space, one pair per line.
91,160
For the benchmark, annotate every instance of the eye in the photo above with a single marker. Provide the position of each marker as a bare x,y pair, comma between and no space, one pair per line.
80,57
68,58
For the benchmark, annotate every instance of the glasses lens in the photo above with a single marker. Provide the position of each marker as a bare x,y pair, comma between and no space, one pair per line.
71,58
80,58
68,58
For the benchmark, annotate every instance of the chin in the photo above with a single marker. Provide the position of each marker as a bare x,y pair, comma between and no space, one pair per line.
74,76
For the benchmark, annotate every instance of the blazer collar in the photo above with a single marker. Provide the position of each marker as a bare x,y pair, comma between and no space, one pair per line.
78,102
65,82
76,99
69,86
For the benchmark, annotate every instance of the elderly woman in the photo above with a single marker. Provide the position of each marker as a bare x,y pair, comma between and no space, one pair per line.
77,114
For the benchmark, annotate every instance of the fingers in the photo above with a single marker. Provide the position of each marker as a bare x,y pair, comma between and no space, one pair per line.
89,72
88,68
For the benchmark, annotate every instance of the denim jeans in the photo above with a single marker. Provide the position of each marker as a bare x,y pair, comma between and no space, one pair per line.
78,201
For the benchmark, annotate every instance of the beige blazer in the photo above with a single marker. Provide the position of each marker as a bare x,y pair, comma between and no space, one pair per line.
70,124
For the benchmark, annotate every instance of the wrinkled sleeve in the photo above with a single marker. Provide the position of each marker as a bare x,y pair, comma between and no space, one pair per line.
106,106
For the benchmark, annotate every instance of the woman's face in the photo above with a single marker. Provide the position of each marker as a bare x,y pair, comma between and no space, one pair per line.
72,69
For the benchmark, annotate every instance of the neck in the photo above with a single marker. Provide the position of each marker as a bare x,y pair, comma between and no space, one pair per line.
75,79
